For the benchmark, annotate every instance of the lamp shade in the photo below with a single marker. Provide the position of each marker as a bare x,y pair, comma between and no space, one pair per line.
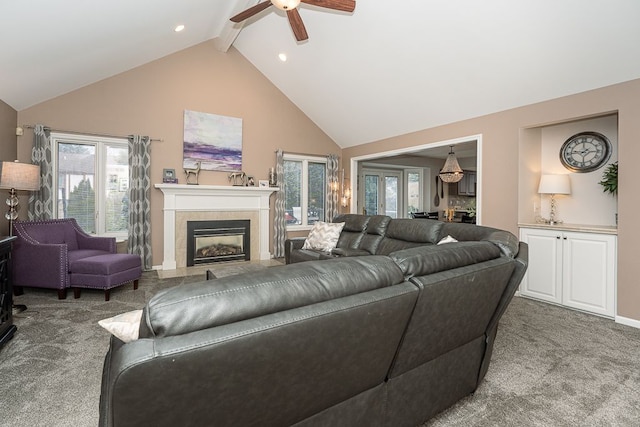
554,184
19,176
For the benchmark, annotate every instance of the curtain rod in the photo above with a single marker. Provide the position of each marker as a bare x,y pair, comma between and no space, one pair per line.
302,154
75,132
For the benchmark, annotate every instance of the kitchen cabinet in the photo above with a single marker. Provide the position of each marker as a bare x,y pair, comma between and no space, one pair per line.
466,186
572,268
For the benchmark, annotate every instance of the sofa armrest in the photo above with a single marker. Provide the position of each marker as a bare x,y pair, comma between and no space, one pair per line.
87,241
350,252
290,245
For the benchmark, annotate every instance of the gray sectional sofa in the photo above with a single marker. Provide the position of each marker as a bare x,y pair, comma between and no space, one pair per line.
388,330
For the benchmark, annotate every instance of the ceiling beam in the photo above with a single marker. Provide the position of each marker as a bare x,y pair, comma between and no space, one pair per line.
231,30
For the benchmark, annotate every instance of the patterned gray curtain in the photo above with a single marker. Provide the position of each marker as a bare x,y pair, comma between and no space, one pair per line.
41,201
139,198
279,223
333,188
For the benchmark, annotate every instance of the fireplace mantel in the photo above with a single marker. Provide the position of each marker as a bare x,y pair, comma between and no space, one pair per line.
212,198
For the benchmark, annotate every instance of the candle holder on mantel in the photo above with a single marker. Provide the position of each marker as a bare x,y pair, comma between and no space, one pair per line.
273,178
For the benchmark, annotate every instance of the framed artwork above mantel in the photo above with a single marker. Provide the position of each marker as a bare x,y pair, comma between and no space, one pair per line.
212,142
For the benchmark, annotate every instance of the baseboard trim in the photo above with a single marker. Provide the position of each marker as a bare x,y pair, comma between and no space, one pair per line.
628,322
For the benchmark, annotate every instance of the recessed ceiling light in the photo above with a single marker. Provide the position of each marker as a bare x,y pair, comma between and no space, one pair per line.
179,28
283,57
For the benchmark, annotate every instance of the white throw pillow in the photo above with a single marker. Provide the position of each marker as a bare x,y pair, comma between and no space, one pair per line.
447,239
124,326
323,236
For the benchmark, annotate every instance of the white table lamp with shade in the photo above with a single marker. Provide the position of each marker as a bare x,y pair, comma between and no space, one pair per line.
554,184
16,176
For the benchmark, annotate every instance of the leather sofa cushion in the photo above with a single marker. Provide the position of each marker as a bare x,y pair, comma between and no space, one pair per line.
406,233
210,303
423,260
353,230
507,242
376,228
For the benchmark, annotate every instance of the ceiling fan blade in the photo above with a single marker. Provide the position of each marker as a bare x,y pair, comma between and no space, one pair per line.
343,5
248,13
297,25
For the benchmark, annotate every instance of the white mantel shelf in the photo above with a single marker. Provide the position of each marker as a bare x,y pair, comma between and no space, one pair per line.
195,198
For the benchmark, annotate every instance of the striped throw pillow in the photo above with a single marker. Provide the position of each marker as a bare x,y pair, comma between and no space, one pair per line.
323,236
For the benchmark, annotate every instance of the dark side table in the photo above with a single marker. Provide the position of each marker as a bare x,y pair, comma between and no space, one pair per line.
7,328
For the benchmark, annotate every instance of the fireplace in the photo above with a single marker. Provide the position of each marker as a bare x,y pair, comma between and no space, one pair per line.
215,241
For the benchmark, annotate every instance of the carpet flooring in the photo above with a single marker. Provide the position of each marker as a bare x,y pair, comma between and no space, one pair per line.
550,367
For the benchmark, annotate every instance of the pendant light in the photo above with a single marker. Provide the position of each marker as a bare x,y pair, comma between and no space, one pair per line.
451,171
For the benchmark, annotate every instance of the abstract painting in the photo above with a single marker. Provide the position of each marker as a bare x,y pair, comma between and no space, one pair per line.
212,140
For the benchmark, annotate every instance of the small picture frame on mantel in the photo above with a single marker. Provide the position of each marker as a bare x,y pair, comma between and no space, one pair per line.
169,176
263,183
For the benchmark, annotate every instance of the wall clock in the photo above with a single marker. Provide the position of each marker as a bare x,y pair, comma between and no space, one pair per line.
585,152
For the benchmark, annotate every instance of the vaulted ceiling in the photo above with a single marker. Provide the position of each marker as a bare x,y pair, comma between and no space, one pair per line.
388,68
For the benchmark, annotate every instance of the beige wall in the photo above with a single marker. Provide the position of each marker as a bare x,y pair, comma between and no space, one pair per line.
8,120
150,100
501,132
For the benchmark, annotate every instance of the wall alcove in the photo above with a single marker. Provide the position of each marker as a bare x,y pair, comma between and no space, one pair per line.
539,149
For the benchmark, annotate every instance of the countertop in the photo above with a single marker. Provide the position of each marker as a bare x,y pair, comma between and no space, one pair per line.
585,228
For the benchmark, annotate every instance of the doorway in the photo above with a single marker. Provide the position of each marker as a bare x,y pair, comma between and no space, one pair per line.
430,157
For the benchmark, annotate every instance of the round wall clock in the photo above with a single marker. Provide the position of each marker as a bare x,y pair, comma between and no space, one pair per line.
585,152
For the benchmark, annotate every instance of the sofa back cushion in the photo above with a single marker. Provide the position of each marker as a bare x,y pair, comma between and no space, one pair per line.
423,260
407,233
507,242
202,305
376,228
353,230
52,232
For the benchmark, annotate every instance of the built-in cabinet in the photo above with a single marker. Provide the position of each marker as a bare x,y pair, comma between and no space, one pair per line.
573,266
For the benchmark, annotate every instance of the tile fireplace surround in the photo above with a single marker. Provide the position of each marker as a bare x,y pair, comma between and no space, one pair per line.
184,203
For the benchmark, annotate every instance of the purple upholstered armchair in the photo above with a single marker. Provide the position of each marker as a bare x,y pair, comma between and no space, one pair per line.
43,250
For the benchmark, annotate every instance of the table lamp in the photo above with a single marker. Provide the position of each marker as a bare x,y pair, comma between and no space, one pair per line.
554,184
17,176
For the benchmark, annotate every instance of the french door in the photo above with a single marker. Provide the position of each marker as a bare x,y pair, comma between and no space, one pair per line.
382,192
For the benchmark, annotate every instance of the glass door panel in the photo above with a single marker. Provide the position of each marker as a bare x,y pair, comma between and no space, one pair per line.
391,196
371,194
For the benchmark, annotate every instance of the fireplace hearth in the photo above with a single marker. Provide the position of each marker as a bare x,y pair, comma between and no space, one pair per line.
216,241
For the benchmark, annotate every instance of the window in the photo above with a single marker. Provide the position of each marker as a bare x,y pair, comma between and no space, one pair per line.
305,188
91,178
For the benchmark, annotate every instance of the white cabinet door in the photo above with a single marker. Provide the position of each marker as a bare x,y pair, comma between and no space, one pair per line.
588,281
574,269
544,273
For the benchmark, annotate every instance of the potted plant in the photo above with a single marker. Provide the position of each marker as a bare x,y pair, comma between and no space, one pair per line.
610,179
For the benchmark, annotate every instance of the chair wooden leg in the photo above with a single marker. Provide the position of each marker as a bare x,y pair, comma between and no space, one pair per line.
135,284
76,293
62,293
107,293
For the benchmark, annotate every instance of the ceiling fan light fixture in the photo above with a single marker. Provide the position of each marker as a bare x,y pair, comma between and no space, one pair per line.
285,4
451,171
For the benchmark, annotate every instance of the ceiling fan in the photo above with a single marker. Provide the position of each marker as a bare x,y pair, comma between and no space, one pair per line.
291,7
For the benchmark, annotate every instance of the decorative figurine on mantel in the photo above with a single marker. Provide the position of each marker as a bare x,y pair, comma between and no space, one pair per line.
273,178
193,173
238,179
